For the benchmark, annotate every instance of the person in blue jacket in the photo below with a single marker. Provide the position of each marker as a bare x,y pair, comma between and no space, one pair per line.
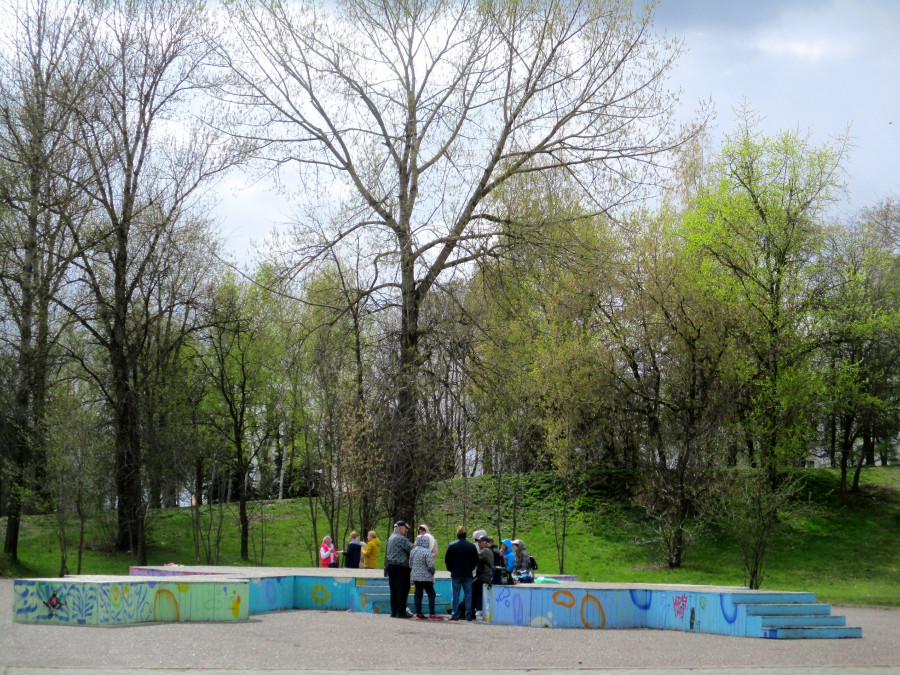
509,556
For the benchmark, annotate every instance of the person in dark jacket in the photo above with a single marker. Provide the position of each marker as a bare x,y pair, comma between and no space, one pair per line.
396,557
461,560
498,557
483,572
353,553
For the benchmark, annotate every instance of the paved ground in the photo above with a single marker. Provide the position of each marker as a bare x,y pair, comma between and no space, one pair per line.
287,642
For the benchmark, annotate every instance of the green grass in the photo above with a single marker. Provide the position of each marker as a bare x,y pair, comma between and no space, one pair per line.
845,552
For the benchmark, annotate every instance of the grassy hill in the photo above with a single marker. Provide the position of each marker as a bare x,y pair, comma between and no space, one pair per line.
845,552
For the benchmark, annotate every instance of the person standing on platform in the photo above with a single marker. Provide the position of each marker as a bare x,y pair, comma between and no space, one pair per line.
353,553
396,558
498,557
461,559
509,557
483,573
432,542
421,571
328,557
371,550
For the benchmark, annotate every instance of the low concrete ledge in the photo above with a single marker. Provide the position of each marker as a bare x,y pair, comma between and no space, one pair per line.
232,593
119,601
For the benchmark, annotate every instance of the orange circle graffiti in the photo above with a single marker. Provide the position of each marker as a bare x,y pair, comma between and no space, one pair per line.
165,606
564,598
584,619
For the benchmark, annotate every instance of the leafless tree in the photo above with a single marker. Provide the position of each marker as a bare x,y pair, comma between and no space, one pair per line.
414,113
148,164
41,69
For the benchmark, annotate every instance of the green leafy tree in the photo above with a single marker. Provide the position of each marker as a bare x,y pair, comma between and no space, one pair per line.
757,231
237,362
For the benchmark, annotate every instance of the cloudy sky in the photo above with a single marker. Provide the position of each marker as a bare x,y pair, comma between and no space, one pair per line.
813,65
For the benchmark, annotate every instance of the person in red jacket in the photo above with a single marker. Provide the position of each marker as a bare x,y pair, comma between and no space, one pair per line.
328,557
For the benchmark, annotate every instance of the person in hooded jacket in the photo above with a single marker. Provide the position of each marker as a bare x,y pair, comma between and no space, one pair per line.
522,570
423,529
509,557
421,566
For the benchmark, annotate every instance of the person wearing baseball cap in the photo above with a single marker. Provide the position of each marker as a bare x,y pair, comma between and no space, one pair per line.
396,558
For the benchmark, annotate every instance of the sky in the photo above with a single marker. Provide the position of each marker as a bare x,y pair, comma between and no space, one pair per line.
816,66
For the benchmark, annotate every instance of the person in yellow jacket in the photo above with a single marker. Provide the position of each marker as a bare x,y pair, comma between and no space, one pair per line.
371,550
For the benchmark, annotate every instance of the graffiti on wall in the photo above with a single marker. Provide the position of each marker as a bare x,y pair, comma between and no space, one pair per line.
113,604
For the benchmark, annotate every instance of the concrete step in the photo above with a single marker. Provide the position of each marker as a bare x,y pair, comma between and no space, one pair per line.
812,632
791,609
773,598
802,620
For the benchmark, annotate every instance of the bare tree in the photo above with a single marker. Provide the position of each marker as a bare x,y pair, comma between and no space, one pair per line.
147,167
417,111
40,71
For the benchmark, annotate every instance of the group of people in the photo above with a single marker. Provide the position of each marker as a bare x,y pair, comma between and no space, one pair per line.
472,565
355,555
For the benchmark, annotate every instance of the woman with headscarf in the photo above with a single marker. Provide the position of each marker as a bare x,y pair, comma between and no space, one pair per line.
432,542
522,569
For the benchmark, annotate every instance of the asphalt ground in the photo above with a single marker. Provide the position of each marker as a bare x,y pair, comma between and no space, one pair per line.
323,642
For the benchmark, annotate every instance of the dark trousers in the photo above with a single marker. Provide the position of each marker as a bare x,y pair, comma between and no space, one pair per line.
427,587
478,596
398,578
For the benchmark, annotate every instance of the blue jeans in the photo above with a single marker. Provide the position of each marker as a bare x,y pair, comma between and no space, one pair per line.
466,584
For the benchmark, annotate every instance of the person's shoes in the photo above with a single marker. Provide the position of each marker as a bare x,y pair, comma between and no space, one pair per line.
454,618
470,618
420,617
435,617
393,615
403,616
409,614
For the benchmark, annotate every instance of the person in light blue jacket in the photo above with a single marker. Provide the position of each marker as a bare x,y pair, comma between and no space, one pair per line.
509,557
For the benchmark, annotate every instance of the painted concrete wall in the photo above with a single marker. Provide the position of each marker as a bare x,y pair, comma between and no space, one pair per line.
128,601
317,592
666,609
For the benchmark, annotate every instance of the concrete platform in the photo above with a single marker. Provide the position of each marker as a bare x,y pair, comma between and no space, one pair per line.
153,594
702,609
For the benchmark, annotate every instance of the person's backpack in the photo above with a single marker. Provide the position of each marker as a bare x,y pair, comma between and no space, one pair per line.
502,577
532,563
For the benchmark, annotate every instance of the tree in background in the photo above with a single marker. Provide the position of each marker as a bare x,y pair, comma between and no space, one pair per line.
143,180
418,111
236,360
757,231
861,320
42,71
669,347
